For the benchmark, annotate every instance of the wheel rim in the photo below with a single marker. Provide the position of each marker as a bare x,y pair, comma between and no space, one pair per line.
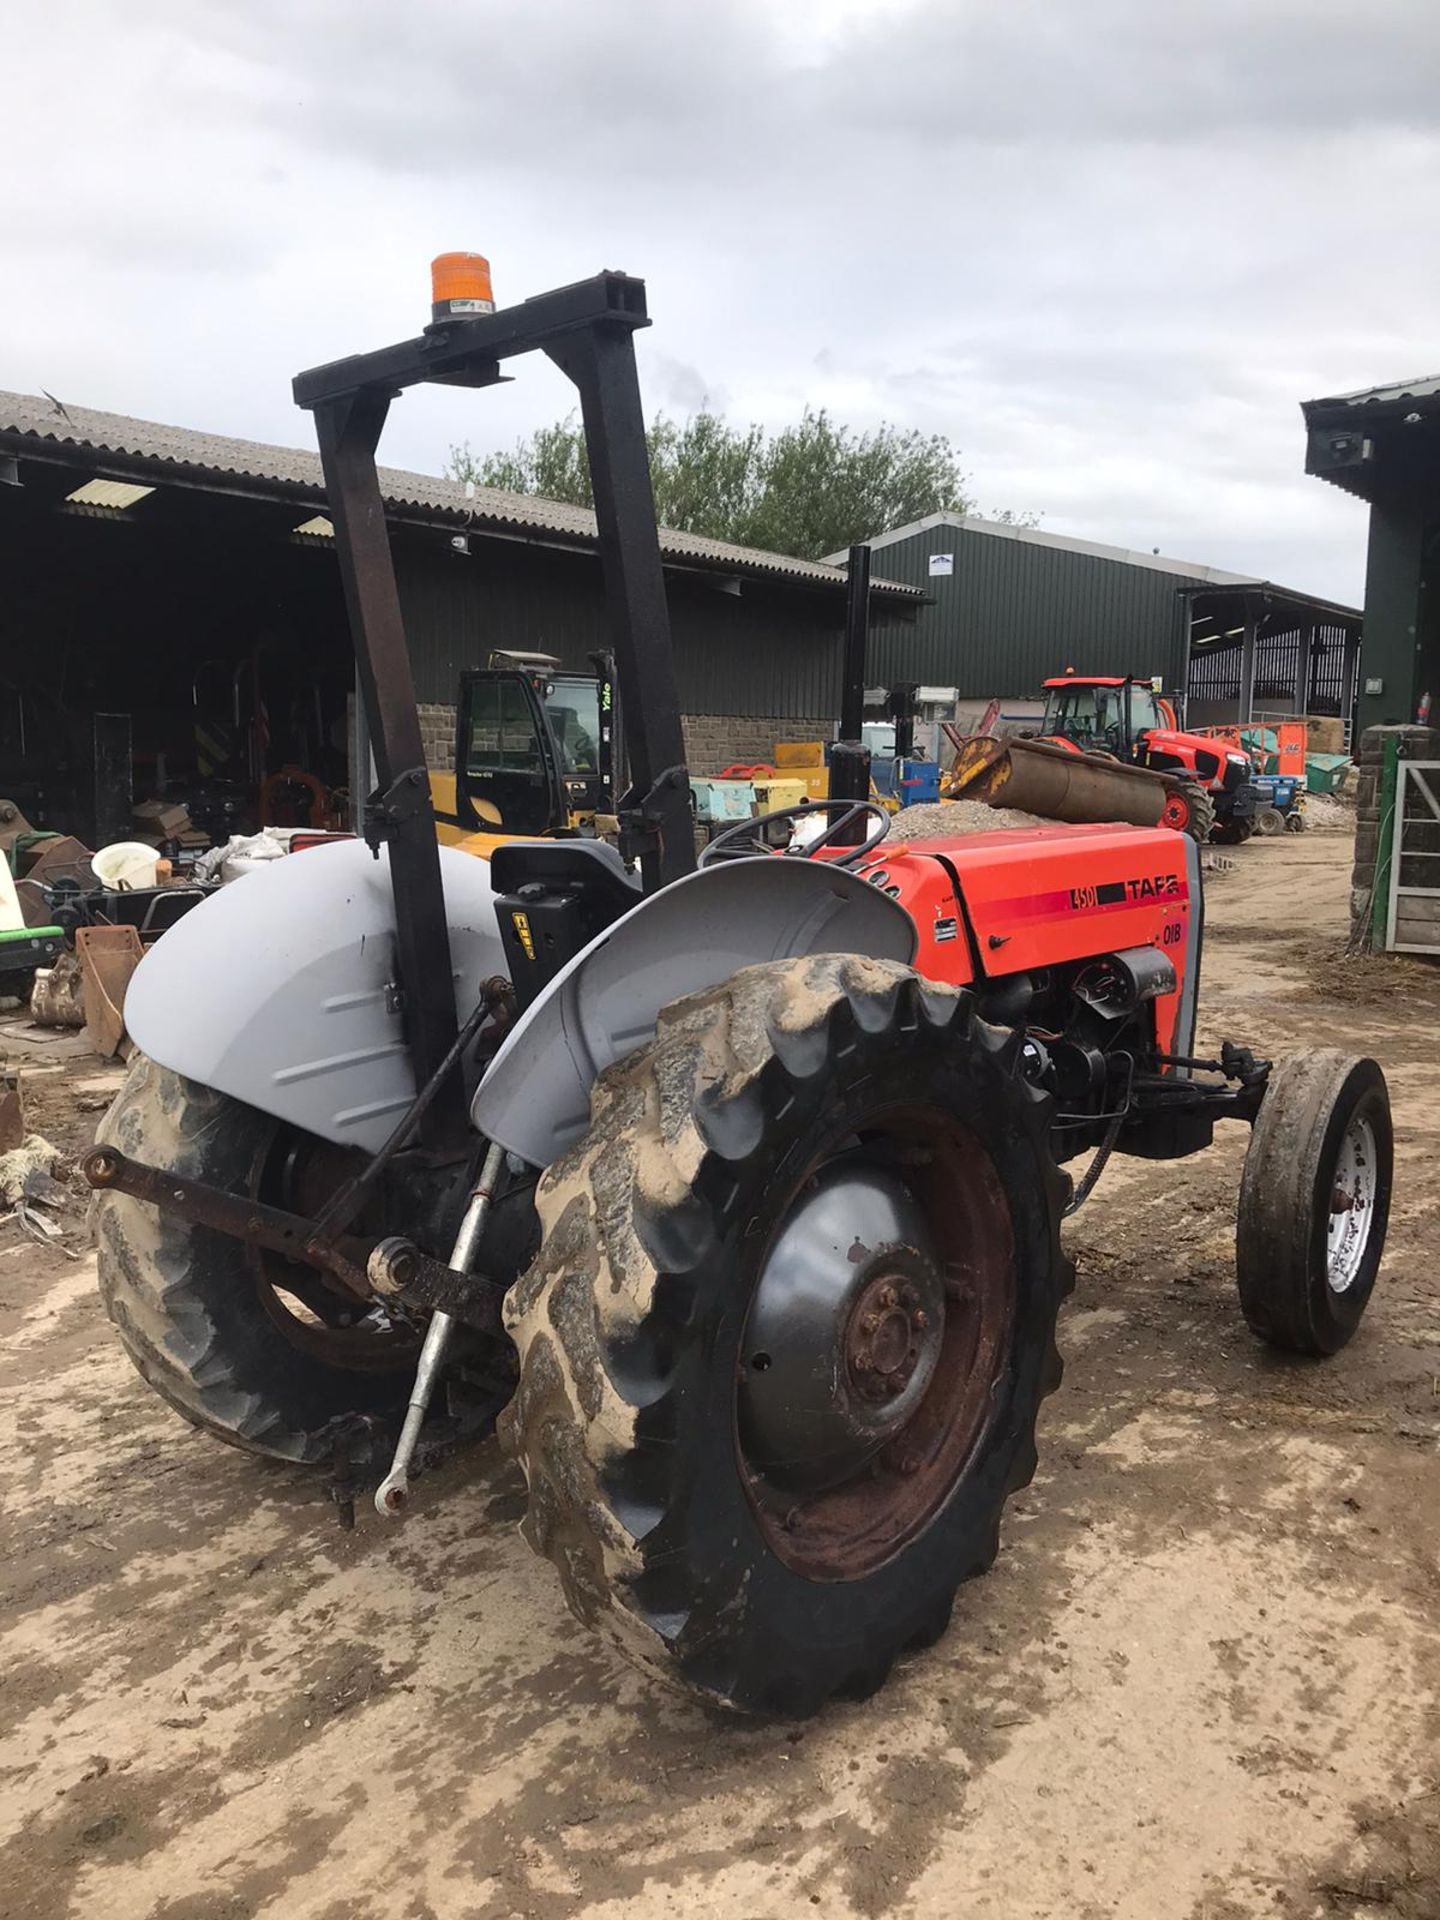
1176,812
877,1339
1353,1187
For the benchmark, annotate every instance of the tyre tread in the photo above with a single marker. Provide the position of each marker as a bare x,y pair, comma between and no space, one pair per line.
152,1266
593,1316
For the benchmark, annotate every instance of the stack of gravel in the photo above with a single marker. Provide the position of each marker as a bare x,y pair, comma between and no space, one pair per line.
1329,813
946,817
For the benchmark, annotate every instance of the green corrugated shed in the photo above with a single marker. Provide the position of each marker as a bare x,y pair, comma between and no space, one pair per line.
1017,605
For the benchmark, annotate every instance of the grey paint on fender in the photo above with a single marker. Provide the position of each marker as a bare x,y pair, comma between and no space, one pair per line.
535,1100
280,990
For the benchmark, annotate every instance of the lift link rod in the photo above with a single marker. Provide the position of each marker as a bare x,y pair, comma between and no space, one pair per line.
394,1489
497,998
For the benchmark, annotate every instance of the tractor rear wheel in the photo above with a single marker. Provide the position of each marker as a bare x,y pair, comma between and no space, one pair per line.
1315,1201
246,1345
1268,822
792,1319
1189,809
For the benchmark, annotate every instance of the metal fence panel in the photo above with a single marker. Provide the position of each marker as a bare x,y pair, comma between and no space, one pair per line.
1414,920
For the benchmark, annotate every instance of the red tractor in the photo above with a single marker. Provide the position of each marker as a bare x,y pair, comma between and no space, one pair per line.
1125,719
733,1196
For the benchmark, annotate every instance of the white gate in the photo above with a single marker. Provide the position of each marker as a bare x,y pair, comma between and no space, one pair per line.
1414,923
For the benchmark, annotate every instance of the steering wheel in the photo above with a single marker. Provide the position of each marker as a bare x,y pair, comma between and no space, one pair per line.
750,837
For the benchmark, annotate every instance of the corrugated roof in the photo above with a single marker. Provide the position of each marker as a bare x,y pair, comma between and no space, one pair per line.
296,472
1194,572
1424,389
1064,543
1374,438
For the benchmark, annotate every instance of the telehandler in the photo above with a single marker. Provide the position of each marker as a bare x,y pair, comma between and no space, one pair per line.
734,1193
534,752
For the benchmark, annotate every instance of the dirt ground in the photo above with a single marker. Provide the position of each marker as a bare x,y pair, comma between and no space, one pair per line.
1202,1681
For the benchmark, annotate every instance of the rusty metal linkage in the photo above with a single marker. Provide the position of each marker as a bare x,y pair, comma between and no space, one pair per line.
416,1280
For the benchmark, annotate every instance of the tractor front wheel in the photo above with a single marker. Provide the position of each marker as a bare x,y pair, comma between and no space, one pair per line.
1233,832
1189,809
790,1326
1315,1201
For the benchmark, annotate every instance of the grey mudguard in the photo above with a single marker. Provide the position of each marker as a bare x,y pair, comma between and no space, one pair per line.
535,1100
279,990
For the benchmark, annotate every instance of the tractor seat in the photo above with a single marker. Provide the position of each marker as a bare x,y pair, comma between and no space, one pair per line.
592,865
553,898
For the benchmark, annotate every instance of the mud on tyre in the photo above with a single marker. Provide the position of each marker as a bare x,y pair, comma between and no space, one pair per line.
243,1345
792,1320
1315,1201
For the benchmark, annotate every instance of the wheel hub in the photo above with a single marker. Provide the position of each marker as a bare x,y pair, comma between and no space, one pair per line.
885,1337
845,1330
874,1352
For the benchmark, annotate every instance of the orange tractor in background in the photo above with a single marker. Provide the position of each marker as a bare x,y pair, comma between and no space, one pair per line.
1125,719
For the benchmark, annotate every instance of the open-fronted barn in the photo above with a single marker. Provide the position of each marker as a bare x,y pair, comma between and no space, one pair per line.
179,590
1006,606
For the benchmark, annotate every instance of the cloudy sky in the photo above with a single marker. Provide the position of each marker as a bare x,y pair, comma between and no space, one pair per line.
1106,245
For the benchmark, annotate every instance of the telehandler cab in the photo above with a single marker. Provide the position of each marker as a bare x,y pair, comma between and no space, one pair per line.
735,1194
534,752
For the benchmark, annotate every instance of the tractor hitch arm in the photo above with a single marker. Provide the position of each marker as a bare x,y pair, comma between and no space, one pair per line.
371,1270
110,1171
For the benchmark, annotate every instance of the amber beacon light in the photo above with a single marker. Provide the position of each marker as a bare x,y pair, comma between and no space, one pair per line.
460,285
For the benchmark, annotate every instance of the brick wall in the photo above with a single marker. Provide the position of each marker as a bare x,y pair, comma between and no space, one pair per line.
716,740
1416,743
437,730
712,740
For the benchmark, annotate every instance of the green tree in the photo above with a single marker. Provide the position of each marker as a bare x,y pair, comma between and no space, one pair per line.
811,489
